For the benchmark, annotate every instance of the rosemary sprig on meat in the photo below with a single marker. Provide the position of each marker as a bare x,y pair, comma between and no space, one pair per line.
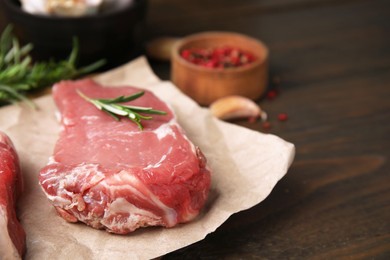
19,74
114,108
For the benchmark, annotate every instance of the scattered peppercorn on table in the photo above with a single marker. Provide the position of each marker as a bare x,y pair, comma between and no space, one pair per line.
328,93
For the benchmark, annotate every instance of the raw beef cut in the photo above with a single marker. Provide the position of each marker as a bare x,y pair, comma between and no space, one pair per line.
12,235
111,175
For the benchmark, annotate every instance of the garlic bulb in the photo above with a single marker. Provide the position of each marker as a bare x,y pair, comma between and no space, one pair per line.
61,7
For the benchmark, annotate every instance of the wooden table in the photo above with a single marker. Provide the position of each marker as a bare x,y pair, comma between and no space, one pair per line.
333,62
330,59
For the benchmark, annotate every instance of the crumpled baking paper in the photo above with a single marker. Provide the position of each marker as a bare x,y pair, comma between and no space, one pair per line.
245,164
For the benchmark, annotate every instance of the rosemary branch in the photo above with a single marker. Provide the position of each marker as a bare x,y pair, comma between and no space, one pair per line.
20,75
115,109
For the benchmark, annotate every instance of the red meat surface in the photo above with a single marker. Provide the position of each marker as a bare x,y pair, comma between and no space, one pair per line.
110,174
12,235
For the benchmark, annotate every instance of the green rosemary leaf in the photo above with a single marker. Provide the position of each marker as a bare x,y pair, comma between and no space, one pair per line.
111,114
74,53
116,110
19,74
146,110
14,96
144,117
136,108
89,68
123,99
155,112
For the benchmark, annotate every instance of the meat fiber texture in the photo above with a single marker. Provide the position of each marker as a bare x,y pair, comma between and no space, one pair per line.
111,175
12,235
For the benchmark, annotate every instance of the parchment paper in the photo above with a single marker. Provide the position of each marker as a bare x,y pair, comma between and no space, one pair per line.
245,164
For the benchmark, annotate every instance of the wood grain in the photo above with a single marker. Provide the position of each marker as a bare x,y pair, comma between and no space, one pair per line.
332,59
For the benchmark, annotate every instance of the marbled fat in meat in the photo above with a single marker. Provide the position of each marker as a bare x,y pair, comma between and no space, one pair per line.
12,235
111,175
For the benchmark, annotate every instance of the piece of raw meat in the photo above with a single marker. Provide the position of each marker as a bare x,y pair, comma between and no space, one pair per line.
111,175
12,235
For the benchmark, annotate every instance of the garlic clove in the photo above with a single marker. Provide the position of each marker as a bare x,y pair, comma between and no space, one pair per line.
235,107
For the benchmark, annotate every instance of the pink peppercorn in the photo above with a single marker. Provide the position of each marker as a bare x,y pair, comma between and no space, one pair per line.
266,125
186,54
271,94
222,57
282,117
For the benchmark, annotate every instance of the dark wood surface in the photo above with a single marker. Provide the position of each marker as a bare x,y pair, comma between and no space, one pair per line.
330,60
333,62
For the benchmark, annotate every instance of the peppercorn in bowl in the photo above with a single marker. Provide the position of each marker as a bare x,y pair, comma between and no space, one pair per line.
211,65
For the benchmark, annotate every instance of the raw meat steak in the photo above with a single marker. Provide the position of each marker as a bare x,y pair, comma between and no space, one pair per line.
109,174
12,235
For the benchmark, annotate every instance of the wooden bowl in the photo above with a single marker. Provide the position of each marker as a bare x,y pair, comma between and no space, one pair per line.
206,85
